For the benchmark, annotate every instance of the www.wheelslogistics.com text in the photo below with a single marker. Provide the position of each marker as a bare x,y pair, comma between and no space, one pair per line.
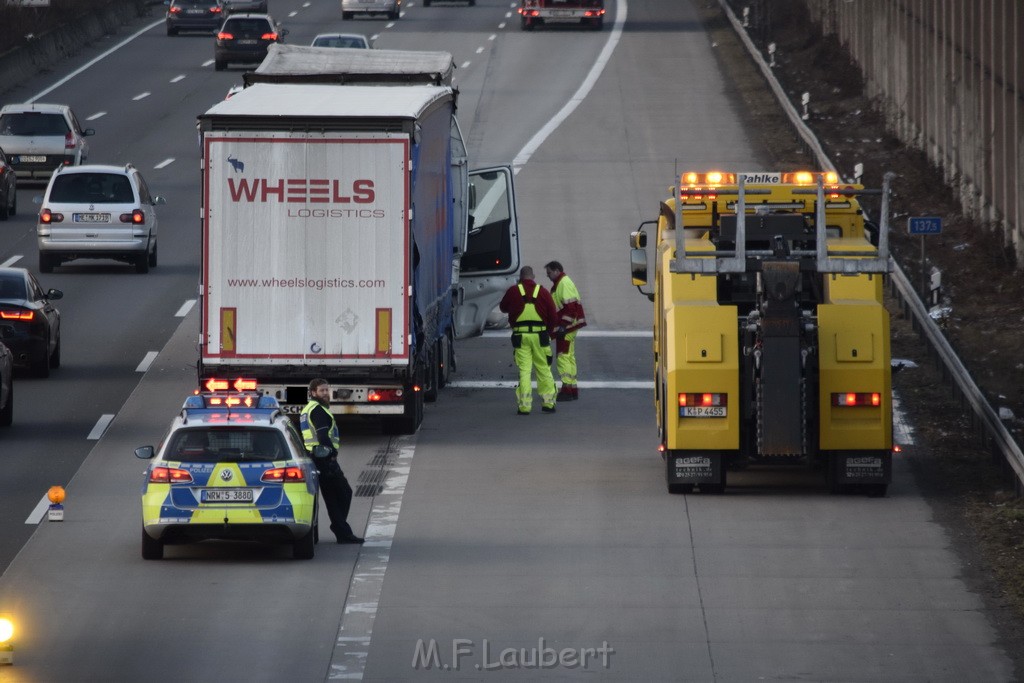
306,283
484,655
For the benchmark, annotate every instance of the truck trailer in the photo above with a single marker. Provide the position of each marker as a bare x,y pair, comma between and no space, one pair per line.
771,340
343,238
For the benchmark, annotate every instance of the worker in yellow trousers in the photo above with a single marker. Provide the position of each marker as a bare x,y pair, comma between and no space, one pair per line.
532,314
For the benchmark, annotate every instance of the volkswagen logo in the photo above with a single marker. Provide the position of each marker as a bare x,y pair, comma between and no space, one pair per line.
225,475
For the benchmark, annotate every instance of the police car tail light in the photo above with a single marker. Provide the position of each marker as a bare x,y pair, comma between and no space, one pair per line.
283,474
852,399
169,475
46,217
16,315
702,400
384,395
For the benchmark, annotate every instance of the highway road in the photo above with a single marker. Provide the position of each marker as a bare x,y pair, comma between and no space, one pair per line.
499,547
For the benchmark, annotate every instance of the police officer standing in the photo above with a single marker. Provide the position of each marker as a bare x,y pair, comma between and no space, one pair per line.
571,319
320,429
532,314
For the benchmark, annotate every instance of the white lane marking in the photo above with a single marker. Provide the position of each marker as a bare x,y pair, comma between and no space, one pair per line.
166,162
508,15
479,50
159,22
492,36
588,83
177,78
97,115
374,37
11,261
140,96
464,65
147,361
208,62
101,426
292,14
353,642
585,332
391,24
38,511
591,384
305,5
185,308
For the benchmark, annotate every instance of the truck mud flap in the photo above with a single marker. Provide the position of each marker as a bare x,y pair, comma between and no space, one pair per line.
685,469
860,467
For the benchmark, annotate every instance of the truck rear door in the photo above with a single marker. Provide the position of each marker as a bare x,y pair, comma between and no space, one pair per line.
490,263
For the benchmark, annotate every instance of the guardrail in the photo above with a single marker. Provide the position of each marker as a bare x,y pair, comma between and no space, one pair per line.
999,438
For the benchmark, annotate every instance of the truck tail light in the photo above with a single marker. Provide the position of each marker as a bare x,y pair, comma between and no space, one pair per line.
702,400
7,314
46,217
851,399
384,395
169,475
136,217
283,474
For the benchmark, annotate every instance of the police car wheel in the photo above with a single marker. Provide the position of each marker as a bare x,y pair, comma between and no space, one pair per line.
152,549
304,547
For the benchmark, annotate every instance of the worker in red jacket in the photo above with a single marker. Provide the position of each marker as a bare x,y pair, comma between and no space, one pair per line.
571,319
532,314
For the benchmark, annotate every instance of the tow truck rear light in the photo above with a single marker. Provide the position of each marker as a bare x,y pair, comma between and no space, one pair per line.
702,400
169,475
384,395
16,315
46,217
699,186
852,399
283,474
136,217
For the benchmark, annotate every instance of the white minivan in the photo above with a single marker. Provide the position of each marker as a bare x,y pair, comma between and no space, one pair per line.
391,8
98,212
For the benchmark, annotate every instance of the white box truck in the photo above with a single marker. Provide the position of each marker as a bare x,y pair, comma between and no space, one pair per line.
343,238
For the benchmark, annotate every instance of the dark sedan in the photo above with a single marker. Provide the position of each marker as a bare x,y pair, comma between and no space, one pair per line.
6,386
245,38
29,322
8,189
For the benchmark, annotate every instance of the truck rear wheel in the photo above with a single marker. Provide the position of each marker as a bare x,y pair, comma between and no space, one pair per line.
433,379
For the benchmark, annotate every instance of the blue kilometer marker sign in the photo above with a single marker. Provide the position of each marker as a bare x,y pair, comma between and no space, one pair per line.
924,225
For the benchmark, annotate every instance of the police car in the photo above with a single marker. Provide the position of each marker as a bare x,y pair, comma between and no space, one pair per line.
231,467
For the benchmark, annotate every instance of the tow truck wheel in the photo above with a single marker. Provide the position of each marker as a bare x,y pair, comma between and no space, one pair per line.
677,489
152,549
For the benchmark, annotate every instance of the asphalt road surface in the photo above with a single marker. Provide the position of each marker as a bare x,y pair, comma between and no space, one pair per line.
499,547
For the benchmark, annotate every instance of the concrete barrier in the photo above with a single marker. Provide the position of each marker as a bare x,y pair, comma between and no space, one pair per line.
48,49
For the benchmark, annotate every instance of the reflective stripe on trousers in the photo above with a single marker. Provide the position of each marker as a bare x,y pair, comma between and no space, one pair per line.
528,356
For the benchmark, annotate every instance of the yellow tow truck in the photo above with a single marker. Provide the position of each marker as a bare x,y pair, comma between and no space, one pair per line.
771,340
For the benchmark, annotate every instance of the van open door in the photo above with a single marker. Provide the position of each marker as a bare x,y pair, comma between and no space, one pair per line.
490,262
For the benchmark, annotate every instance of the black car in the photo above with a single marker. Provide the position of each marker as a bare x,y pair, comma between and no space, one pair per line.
6,386
8,189
29,322
194,15
245,38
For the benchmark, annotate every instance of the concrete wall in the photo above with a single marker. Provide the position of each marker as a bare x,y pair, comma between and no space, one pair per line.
47,49
948,75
